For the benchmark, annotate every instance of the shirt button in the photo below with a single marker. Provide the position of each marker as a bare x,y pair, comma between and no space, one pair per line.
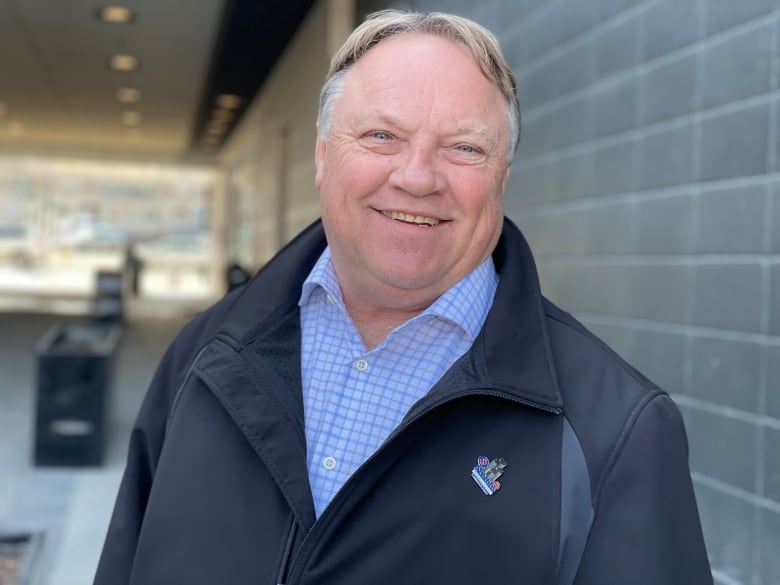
361,365
329,463
330,298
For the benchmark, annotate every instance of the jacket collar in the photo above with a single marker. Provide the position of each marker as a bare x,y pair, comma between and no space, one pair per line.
517,350
513,355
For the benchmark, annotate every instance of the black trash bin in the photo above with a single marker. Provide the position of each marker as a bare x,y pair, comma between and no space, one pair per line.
75,371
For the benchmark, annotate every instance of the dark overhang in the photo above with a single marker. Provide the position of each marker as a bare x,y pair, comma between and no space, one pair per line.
253,36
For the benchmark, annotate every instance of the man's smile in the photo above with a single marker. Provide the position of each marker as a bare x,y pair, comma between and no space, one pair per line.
408,218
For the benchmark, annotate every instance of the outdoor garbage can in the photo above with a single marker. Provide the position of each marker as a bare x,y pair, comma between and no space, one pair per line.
75,370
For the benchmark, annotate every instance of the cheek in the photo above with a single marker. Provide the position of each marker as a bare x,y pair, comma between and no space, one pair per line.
348,181
362,175
483,200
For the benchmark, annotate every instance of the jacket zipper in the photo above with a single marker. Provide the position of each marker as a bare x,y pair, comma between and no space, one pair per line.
282,574
311,536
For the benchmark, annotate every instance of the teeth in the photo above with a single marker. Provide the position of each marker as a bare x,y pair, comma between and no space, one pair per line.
418,219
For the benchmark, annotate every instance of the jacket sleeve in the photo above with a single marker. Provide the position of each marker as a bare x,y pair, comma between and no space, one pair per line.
646,528
146,441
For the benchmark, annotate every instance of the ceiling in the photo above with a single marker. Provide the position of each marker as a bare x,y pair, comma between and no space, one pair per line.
57,91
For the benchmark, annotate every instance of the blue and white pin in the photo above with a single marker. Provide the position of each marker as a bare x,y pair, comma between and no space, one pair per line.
486,474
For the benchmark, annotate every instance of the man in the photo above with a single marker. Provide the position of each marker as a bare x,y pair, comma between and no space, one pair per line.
391,399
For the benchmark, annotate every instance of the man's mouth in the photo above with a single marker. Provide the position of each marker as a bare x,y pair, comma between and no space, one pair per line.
416,219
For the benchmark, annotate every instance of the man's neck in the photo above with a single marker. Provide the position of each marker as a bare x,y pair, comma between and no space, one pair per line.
375,324
378,309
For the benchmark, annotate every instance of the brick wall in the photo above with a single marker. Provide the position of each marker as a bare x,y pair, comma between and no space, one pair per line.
647,184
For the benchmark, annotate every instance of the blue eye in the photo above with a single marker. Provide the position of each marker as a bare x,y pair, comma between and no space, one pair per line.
466,148
381,135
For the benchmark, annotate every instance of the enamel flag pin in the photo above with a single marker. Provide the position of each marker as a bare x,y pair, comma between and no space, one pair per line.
486,474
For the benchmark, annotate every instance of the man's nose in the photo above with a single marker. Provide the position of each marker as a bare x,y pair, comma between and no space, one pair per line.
416,171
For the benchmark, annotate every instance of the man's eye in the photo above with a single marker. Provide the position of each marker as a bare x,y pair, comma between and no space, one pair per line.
381,135
466,148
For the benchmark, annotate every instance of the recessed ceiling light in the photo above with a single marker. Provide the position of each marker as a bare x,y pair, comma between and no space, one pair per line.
16,129
213,128
128,95
229,101
116,14
130,118
3,109
222,115
124,62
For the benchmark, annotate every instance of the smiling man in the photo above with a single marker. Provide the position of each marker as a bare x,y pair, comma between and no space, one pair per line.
391,399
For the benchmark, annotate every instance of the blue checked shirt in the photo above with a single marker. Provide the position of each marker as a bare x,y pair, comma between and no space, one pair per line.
354,398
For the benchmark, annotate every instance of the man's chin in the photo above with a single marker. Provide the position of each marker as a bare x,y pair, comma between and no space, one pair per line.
415,284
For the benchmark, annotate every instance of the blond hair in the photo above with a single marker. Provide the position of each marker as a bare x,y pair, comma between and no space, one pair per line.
385,24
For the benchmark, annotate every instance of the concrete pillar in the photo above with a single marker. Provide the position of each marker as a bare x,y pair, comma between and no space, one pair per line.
283,193
219,233
340,22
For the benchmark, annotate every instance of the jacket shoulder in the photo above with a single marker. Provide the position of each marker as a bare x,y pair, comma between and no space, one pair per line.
565,329
182,351
603,395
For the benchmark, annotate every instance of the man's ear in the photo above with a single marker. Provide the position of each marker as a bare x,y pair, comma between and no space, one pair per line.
319,159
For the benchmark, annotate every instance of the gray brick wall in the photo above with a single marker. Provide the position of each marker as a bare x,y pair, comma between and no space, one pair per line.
647,185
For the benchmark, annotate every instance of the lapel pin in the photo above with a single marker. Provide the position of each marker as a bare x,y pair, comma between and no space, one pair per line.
486,474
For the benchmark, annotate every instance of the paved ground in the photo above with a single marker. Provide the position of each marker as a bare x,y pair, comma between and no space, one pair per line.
71,505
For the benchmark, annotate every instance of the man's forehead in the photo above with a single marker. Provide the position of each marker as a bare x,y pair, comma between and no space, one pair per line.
435,86
412,43
417,62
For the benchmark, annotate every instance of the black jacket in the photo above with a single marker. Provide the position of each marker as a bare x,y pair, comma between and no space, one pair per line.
596,491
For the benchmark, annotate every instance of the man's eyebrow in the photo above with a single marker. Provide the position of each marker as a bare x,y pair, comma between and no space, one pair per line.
474,129
465,128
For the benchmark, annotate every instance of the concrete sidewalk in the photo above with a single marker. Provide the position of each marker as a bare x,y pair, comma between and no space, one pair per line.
72,506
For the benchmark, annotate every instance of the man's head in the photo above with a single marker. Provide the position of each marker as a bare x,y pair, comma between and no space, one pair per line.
415,136
385,24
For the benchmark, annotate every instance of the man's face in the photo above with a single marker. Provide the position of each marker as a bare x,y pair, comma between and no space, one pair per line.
412,175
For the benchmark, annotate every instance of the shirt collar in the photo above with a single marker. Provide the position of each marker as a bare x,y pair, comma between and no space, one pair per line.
466,303
323,275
